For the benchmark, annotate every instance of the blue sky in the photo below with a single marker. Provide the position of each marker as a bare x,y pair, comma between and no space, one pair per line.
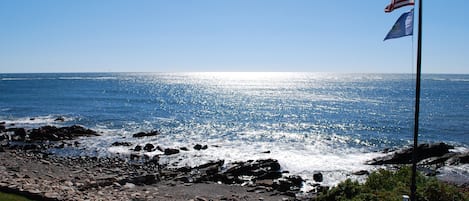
226,35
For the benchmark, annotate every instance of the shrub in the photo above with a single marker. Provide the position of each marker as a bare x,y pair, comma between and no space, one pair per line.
385,185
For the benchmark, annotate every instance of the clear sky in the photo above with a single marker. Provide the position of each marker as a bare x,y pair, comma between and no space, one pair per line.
226,35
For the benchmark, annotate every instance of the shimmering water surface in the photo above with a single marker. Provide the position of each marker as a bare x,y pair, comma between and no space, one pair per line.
308,121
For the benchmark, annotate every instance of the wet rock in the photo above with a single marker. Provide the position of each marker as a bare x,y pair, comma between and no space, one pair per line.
438,159
317,177
404,156
460,158
259,169
134,156
159,148
126,144
361,172
19,134
289,186
62,119
53,133
145,134
138,148
3,136
199,147
170,151
148,147
184,149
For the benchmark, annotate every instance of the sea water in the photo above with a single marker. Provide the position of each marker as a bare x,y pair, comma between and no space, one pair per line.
310,122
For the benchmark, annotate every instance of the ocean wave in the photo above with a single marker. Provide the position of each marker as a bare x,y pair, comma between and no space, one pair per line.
34,121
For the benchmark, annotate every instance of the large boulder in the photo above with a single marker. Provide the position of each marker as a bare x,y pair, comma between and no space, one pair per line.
259,169
404,156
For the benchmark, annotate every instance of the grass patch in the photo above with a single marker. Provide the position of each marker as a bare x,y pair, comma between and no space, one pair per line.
12,197
385,185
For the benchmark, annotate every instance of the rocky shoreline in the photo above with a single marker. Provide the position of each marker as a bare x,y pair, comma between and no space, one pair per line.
27,168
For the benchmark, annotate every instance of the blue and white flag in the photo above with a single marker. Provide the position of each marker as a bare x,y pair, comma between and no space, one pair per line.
404,26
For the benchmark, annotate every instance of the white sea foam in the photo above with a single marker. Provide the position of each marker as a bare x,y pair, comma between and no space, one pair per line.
335,162
36,120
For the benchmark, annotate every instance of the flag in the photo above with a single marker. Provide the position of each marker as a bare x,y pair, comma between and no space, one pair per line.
404,26
395,4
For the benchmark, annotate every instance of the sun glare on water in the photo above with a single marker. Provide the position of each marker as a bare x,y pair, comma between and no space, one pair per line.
246,76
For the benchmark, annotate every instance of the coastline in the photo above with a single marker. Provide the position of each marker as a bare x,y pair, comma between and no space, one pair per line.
41,177
29,169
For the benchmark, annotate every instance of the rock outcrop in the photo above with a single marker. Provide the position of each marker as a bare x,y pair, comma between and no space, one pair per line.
404,156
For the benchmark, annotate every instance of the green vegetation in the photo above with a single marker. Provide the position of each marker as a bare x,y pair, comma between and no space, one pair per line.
12,197
385,185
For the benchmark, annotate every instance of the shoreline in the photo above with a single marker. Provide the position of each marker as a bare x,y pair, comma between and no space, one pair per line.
41,177
29,169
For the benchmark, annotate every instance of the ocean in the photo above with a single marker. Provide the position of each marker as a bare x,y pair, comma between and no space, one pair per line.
311,122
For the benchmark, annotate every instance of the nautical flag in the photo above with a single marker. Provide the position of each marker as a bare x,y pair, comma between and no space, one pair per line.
404,26
395,4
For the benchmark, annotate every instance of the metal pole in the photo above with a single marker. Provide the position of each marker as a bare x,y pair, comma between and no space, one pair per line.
413,186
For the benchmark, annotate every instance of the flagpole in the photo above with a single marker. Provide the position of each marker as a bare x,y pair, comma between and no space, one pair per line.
413,187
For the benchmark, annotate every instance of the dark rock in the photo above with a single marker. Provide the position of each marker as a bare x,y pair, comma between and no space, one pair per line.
2,123
1,149
199,147
134,156
317,177
2,128
154,160
3,136
259,169
295,180
30,147
159,148
144,179
53,133
460,158
126,144
144,134
404,156
20,133
170,151
361,172
138,148
289,184
79,130
62,119
148,147
32,119
438,159
184,149
266,152
464,158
